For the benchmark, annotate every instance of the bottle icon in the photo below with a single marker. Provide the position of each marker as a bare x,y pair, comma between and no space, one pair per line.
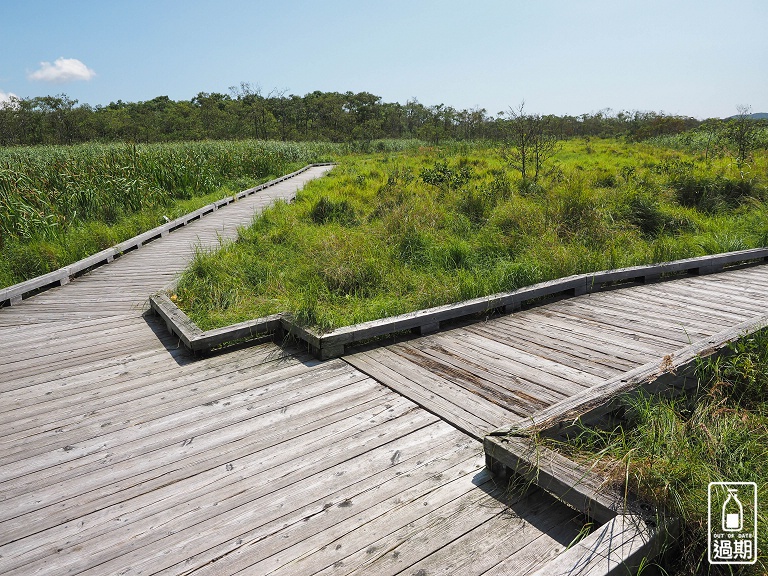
733,512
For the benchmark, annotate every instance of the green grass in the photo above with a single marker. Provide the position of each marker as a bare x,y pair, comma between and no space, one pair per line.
668,451
59,204
393,232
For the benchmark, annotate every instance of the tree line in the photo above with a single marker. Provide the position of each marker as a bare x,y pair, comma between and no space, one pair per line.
322,116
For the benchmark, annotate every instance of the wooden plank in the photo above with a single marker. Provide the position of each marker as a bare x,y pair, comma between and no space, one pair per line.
689,311
695,302
26,343
613,356
59,361
149,405
117,388
662,331
501,374
607,340
47,355
594,401
457,416
159,548
14,294
438,314
715,298
435,386
87,371
76,372
529,558
139,434
524,537
211,495
96,490
745,278
678,320
455,369
441,510
231,414
314,524
551,349
248,329
176,321
658,311
618,548
402,548
540,371
153,366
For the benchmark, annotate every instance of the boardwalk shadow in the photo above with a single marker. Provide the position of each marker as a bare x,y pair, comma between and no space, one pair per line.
283,350
526,502
170,342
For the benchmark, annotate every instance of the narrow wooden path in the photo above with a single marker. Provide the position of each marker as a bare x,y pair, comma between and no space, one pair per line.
482,376
122,454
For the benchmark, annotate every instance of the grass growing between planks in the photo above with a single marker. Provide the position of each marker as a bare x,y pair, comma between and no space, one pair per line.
395,232
59,204
669,450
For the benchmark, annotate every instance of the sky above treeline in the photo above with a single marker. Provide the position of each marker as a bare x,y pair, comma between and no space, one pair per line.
699,58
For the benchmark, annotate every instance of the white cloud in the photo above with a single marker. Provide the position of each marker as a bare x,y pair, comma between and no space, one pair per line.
5,98
63,70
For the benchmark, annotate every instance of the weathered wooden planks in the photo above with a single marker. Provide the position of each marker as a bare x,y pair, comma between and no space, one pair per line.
404,466
438,396
120,453
554,355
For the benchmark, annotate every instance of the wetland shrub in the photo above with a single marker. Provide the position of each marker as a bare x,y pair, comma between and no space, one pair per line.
712,194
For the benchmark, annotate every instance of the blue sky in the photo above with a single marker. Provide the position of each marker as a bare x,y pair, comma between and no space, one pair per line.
700,58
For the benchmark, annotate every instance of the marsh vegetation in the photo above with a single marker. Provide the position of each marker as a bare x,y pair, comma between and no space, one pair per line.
389,233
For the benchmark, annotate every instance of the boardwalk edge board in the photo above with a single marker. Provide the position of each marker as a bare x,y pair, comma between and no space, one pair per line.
668,375
12,295
332,344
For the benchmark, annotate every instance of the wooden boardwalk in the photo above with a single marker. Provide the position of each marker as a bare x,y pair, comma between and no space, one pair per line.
485,375
122,454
